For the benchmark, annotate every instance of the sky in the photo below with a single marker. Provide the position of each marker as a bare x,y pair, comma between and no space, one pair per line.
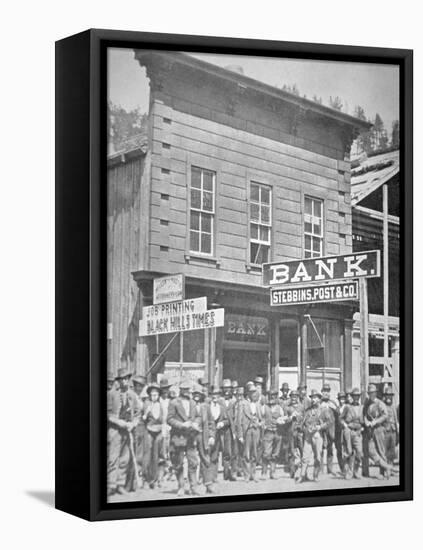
374,87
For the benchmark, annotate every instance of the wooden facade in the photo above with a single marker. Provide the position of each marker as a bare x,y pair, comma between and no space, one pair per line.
243,132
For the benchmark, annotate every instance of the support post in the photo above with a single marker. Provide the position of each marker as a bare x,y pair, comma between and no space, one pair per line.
364,338
385,280
304,350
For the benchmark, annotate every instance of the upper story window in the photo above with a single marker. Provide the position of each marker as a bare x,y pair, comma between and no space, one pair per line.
313,227
260,223
203,184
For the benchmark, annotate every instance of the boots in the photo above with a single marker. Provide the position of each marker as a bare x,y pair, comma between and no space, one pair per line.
264,469
273,470
181,484
316,472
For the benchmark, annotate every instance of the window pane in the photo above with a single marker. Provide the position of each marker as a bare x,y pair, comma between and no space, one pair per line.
254,231
317,229
265,214
195,198
172,354
195,220
195,241
307,242
254,247
316,244
193,346
206,223
307,205
307,254
207,180
307,227
208,201
318,209
195,177
254,212
205,243
264,233
255,190
265,195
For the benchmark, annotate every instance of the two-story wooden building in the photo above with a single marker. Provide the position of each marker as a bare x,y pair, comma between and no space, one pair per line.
235,173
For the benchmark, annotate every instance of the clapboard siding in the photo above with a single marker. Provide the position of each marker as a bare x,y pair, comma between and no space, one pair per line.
242,138
125,250
238,157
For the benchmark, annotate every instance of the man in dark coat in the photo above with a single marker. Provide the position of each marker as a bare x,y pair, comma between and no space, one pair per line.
330,413
249,426
375,415
351,420
184,425
123,415
206,438
314,423
391,426
295,414
273,418
223,434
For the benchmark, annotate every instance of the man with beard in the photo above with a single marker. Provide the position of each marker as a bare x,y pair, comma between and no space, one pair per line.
302,396
390,425
206,438
330,413
351,420
239,468
223,432
312,426
273,419
184,427
249,425
229,438
123,413
284,401
375,415
164,401
295,413
140,433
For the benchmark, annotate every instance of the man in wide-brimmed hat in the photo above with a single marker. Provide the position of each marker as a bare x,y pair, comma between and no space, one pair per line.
222,443
351,419
249,426
205,438
312,426
184,425
375,415
391,425
165,400
154,418
273,418
295,414
227,434
139,383
123,415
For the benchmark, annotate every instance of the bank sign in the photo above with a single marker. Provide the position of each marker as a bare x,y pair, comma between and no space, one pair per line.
319,270
312,294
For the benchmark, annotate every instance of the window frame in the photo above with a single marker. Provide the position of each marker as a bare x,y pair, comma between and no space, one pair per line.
253,180
313,235
212,213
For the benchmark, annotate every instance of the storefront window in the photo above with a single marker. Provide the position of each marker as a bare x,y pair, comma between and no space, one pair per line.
324,344
186,347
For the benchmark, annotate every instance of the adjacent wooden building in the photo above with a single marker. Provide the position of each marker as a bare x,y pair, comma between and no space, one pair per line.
234,173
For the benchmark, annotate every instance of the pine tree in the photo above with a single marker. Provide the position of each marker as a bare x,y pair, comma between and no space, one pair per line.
395,138
336,103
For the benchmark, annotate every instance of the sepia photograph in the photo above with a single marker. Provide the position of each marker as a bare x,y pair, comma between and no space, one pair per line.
253,275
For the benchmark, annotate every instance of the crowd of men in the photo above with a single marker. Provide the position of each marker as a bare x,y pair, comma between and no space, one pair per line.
154,429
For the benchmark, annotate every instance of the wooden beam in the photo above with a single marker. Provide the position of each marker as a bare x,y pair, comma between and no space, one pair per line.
364,338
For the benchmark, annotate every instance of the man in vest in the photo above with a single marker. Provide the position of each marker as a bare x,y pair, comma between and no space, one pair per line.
330,412
249,425
184,427
123,414
313,425
295,414
273,418
351,420
391,426
205,438
375,415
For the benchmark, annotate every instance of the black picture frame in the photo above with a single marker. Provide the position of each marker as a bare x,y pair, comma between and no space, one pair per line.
81,148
